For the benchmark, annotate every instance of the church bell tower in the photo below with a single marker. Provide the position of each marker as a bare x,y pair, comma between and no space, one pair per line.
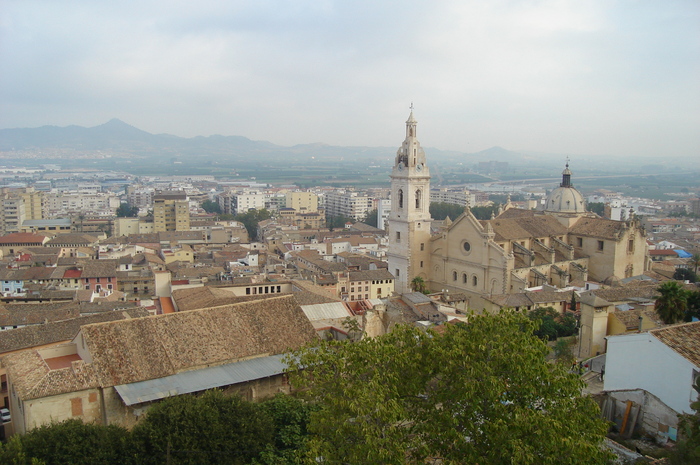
409,218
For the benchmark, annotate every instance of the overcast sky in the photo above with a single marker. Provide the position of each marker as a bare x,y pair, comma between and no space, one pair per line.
574,77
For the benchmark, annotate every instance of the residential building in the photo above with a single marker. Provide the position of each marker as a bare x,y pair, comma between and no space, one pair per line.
664,362
348,203
171,212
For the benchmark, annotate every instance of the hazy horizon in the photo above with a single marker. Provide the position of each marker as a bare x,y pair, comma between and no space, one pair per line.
586,78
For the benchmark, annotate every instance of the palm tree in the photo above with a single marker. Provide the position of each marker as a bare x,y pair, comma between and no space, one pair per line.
672,304
418,285
695,261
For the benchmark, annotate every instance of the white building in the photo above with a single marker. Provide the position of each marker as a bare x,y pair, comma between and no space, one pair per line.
664,362
383,210
351,204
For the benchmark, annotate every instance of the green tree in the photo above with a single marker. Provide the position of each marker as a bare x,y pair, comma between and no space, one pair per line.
371,218
290,417
209,429
337,222
695,261
672,304
692,300
477,393
127,211
596,207
418,285
211,207
441,210
685,274
251,219
687,449
485,213
71,441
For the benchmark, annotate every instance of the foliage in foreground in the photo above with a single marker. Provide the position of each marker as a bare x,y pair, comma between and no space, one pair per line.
208,429
479,393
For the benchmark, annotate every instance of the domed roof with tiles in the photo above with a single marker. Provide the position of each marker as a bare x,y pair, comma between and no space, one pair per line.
565,198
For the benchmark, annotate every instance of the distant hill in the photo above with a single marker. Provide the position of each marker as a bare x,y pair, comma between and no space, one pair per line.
120,139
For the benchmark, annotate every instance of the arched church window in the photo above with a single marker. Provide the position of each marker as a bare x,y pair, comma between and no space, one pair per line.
400,198
418,198
464,278
475,281
454,276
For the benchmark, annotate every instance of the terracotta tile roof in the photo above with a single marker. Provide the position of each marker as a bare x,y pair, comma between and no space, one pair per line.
72,238
32,378
369,275
23,238
633,291
525,227
630,318
99,269
61,331
515,213
599,227
683,338
135,350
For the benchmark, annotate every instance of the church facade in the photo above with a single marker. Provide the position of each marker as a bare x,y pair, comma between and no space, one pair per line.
518,249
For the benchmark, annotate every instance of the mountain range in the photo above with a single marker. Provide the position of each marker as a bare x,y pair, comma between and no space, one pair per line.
120,139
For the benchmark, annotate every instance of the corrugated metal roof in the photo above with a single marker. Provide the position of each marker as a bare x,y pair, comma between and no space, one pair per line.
327,311
416,298
200,380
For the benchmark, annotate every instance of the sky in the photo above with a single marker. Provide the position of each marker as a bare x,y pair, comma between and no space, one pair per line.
601,77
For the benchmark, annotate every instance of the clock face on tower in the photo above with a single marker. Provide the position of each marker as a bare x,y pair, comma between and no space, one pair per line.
419,167
400,166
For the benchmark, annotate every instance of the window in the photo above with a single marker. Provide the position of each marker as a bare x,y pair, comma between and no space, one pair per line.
467,246
454,276
421,263
400,198
464,278
418,198
630,246
475,281
601,245
579,241
397,273
422,246
398,236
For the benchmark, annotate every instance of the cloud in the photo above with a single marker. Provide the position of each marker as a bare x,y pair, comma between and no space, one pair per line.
559,76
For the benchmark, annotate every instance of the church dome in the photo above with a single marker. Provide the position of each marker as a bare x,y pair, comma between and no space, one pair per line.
565,198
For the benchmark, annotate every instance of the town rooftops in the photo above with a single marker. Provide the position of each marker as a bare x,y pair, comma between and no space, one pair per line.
23,239
136,350
682,338
599,227
524,227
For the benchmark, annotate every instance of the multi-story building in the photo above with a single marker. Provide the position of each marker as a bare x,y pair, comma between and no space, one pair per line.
17,206
140,196
171,212
302,201
461,197
351,204
64,204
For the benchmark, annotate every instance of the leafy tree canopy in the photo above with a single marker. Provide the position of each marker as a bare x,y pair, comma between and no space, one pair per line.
207,429
71,441
551,324
127,211
441,210
596,207
337,222
251,219
477,393
685,274
211,207
371,218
